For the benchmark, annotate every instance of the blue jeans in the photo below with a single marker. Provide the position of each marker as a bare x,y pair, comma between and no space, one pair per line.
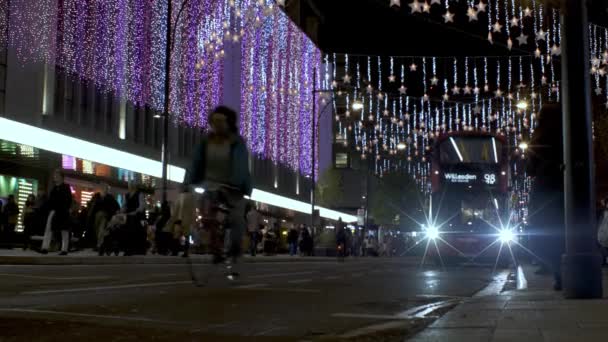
293,248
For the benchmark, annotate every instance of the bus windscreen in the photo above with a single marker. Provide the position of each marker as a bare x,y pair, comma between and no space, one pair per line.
470,150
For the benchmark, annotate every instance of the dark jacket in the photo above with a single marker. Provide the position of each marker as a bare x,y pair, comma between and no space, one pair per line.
60,200
292,237
239,156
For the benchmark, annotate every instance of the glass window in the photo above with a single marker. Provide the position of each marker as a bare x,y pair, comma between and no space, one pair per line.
474,150
341,160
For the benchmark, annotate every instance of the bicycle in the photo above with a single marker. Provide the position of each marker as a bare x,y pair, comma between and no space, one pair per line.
213,216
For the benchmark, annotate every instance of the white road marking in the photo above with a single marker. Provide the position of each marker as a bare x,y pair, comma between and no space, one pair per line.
424,310
106,288
280,289
75,314
300,281
333,277
279,275
522,282
496,286
53,278
251,286
366,316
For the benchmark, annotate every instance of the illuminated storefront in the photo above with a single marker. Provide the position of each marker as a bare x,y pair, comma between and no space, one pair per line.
21,188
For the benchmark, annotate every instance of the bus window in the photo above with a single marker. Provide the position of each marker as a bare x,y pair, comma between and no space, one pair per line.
473,150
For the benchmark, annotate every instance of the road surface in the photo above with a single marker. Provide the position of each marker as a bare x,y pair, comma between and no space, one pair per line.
272,301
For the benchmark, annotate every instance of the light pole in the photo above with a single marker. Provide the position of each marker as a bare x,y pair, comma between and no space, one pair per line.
313,156
582,263
170,39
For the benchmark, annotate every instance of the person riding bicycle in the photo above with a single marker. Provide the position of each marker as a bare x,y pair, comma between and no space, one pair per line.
221,164
341,238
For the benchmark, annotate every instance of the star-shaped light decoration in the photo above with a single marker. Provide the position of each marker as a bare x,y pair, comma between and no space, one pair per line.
425,98
541,35
395,3
605,55
281,3
514,22
446,97
334,84
556,50
472,14
392,78
555,88
448,17
435,2
509,43
522,39
386,112
522,85
598,91
498,93
527,12
346,79
402,90
533,95
602,72
456,90
380,96
434,81
426,8
497,27
481,7
413,67
596,62
543,80
415,6
537,53
467,90
370,89
477,109
476,90
510,96
486,88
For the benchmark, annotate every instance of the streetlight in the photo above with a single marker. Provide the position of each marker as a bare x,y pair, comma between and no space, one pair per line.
522,105
523,146
357,105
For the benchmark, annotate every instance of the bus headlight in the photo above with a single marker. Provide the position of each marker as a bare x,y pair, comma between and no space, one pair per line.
506,236
432,233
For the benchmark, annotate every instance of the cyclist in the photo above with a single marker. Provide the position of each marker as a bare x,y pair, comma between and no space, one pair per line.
221,165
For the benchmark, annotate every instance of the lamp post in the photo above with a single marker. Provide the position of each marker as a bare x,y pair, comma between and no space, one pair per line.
170,39
582,262
313,156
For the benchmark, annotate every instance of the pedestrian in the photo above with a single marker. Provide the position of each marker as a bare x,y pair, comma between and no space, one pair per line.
135,234
221,165
161,236
253,228
29,220
340,237
59,219
179,226
306,242
292,241
103,207
11,215
545,165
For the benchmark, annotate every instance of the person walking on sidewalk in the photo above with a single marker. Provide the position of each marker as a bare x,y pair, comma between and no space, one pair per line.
11,215
103,207
292,241
29,220
135,234
221,165
545,165
58,220
253,228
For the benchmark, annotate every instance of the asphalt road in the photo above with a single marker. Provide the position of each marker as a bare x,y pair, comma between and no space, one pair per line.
282,301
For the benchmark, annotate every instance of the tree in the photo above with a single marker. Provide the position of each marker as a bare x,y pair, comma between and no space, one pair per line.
395,199
330,188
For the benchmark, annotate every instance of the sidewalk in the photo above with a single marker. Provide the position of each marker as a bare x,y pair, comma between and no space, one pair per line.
89,257
533,314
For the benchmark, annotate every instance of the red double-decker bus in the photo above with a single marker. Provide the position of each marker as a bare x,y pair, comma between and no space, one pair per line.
469,205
